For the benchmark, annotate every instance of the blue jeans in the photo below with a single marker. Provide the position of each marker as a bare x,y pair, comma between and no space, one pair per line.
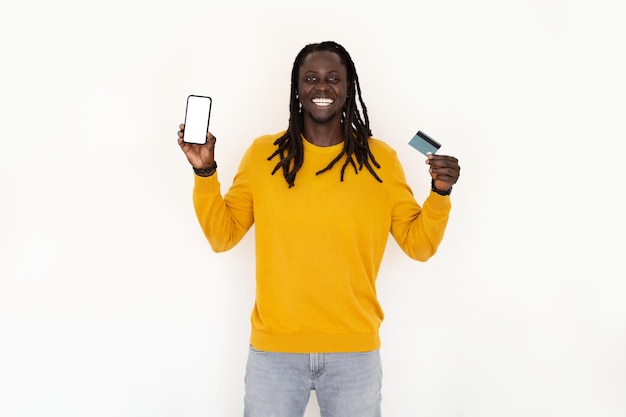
345,384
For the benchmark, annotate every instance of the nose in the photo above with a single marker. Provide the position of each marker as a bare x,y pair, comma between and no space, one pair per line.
322,85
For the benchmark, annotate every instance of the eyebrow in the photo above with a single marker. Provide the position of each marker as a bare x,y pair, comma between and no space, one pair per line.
316,71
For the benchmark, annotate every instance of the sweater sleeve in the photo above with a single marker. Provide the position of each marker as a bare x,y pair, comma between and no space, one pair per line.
224,219
418,231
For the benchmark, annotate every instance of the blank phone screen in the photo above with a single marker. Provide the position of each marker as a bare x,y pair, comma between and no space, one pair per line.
197,119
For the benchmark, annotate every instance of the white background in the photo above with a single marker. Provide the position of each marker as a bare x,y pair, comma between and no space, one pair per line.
111,301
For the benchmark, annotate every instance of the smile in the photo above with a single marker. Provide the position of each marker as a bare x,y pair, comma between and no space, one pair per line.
323,102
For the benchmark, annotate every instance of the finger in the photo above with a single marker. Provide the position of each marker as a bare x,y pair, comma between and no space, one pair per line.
450,170
442,159
448,180
448,176
443,164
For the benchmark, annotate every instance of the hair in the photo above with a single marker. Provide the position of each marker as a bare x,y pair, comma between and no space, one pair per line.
356,129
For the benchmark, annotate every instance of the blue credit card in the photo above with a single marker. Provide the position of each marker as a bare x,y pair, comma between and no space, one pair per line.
424,143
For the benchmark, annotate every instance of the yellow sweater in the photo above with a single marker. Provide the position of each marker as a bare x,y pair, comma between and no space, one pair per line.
319,244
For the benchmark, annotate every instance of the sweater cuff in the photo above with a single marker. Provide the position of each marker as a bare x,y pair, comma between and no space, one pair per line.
438,202
205,185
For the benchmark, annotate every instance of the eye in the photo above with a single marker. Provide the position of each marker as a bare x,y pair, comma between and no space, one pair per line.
333,79
310,78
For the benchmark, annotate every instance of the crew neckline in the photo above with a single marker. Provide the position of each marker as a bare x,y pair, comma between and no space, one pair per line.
321,149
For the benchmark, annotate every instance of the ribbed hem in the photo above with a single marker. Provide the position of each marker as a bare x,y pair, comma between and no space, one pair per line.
334,343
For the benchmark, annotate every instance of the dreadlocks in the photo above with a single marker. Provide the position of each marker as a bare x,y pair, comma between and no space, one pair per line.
356,129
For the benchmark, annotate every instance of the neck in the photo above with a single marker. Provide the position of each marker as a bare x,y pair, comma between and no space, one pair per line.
323,134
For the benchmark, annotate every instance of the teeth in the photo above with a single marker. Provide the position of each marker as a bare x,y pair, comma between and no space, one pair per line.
323,102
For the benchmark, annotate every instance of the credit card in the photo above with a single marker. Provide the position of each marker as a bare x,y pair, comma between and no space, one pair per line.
424,143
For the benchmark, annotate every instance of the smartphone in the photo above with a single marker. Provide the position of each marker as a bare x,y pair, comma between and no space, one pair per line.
197,117
424,143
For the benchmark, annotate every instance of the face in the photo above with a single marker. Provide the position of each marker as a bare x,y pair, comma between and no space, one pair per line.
322,87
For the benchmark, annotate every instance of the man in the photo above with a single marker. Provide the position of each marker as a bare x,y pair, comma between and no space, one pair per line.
320,230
